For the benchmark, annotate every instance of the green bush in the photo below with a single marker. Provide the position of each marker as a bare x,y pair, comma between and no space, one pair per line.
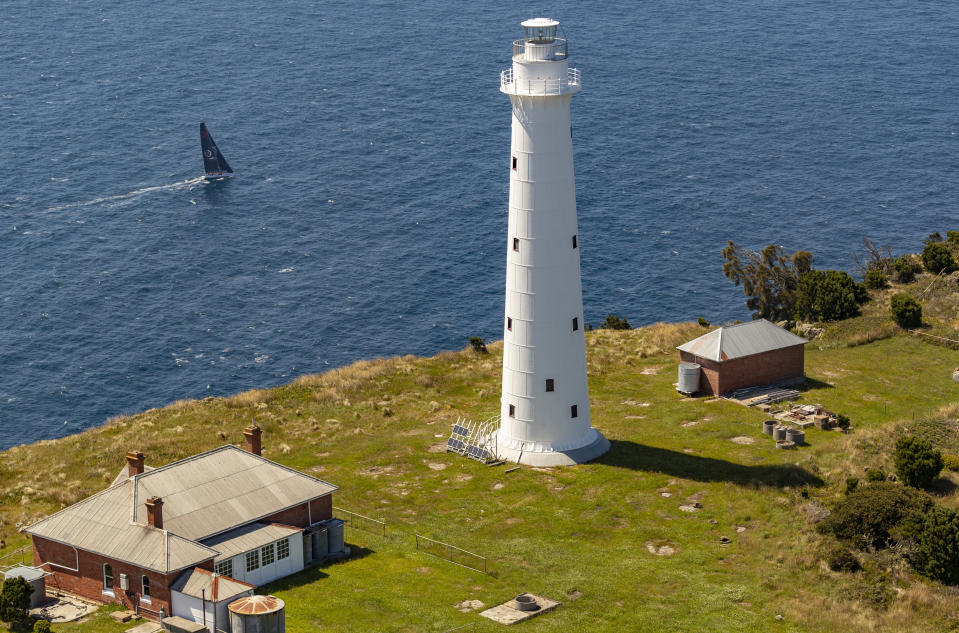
905,311
875,279
906,268
840,558
842,421
851,484
875,474
41,626
867,515
934,238
935,539
950,462
614,322
917,462
936,257
828,295
14,599
478,344
952,236
703,322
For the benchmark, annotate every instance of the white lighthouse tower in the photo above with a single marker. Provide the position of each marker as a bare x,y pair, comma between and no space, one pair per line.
545,403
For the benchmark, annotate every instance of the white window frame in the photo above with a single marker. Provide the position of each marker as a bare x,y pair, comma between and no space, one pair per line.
225,564
108,590
145,588
281,545
268,548
255,559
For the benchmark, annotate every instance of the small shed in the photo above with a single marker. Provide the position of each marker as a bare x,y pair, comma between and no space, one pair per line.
746,355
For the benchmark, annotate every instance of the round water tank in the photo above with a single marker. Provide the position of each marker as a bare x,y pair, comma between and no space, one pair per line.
257,614
688,378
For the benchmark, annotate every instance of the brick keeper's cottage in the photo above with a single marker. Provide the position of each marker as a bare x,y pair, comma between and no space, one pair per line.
224,521
745,355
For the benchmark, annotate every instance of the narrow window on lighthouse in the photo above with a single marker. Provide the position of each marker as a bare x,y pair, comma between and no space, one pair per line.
509,323
574,242
512,410
573,412
550,384
514,163
516,244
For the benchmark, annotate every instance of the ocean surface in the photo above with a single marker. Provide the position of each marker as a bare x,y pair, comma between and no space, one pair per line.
371,145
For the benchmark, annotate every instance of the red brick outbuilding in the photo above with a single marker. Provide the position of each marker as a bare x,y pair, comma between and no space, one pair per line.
732,357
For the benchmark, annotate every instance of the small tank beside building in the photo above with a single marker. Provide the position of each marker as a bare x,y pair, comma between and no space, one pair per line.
258,614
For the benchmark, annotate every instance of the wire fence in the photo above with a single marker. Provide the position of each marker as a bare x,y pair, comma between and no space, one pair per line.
16,557
360,522
453,554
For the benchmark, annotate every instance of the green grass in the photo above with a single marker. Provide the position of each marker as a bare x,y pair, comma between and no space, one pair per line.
578,535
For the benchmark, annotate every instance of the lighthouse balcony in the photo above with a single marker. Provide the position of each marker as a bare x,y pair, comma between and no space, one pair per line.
547,50
540,87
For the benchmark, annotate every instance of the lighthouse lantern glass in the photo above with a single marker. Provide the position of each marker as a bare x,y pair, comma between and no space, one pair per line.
540,34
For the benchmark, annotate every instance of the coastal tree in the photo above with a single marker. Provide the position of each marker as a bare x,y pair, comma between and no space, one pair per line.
917,462
14,599
905,310
936,258
770,278
828,295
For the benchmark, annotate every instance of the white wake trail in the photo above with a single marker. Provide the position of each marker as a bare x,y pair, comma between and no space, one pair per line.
131,194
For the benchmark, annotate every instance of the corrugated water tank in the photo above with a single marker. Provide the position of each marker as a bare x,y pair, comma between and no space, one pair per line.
688,378
258,614
321,546
335,529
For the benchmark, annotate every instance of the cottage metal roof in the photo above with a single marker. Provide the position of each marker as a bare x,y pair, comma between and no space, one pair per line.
249,537
222,489
202,584
743,339
203,495
122,475
101,524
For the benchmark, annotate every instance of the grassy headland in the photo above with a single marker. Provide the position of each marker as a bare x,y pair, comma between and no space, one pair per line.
608,538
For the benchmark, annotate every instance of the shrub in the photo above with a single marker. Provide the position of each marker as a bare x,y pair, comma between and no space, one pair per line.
906,268
840,558
14,599
875,279
828,295
614,322
936,258
917,462
703,322
935,537
41,626
842,421
479,346
951,462
952,236
875,475
851,484
866,515
905,311
934,238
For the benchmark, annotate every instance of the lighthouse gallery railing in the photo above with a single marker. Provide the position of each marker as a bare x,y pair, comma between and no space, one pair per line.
539,86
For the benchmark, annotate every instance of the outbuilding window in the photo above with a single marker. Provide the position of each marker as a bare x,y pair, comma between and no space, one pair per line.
283,549
269,554
225,568
107,577
145,588
573,411
550,384
253,560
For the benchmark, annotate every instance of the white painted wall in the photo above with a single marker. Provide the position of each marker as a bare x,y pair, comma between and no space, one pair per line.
192,609
278,569
543,287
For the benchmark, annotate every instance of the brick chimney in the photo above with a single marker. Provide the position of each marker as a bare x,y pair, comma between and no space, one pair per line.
134,463
252,434
155,512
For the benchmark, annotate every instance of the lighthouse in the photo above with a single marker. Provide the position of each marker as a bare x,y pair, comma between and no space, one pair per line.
544,419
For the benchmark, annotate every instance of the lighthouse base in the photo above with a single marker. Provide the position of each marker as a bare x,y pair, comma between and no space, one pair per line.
567,457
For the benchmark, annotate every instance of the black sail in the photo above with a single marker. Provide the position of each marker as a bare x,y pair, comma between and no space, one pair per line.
213,162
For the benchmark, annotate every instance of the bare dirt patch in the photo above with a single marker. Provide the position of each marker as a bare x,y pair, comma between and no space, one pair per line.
437,448
436,466
634,403
743,439
660,550
689,423
650,371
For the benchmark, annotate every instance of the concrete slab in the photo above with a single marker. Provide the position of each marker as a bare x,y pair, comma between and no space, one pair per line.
146,627
510,613
123,616
63,609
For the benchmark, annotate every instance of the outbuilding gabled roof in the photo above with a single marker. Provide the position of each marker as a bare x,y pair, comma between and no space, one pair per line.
203,495
202,584
743,339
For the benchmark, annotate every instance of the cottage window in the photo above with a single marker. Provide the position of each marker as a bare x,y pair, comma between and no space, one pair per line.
225,568
145,588
573,411
283,549
253,560
550,384
107,578
269,554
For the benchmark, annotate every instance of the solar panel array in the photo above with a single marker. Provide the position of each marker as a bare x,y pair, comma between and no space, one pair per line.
473,440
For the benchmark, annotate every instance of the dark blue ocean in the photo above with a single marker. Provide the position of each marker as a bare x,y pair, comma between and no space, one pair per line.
371,144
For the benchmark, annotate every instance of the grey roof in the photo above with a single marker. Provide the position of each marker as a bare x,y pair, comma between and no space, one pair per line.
203,495
101,524
743,339
249,537
122,475
200,583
